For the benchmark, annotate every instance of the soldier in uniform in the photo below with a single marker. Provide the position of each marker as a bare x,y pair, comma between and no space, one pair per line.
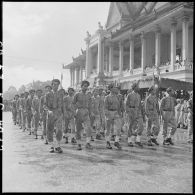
54,107
68,115
23,116
82,104
24,113
133,109
152,113
36,103
18,110
21,105
167,109
96,112
14,108
113,116
190,118
29,110
43,112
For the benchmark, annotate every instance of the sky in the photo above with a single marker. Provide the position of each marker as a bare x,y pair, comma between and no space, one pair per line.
38,37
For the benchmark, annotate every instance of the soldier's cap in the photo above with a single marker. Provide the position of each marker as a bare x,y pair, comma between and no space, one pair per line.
85,82
70,88
110,86
48,86
55,80
169,89
32,90
39,90
151,89
134,85
17,95
26,92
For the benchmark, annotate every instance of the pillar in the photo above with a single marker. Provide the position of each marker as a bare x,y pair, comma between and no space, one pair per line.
73,76
100,67
185,23
121,52
131,54
157,47
88,59
173,43
70,77
143,52
77,76
81,73
111,50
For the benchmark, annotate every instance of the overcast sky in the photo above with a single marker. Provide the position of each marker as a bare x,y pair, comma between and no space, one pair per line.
38,37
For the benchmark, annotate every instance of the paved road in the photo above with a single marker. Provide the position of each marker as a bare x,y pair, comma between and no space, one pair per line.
29,167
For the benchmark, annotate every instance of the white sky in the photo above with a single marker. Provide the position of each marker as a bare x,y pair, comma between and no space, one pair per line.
38,37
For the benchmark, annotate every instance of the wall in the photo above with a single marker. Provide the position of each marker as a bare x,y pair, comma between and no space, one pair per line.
165,48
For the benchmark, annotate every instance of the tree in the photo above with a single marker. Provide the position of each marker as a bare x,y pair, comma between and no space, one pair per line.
22,89
10,93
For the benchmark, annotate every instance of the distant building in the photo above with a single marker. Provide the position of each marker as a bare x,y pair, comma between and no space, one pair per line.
139,40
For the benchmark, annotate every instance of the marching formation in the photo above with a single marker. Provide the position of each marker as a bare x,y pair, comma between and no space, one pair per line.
72,115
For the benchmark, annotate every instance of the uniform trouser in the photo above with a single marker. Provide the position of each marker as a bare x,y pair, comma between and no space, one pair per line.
185,118
102,119
44,116
97,123
169,121
82,117
36,121
24,118
153,126
54,119
71,122
112,119
14,115
135,124
29,119
20,117
190,126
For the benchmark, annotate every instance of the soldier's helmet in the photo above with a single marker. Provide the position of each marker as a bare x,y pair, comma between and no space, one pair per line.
134,85
31,91
110,86
55,80
85,82
70,88
151,89
39,90
48,86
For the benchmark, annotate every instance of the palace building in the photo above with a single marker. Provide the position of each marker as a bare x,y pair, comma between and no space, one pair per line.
140,41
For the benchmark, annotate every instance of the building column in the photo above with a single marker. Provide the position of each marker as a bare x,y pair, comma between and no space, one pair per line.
88,56
131,54
173,43
185,23
73,76
100,67
81,73
121,53
77,76
70,77
143,52
157,47
111,50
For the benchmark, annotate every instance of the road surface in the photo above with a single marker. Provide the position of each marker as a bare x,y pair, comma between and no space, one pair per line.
29,167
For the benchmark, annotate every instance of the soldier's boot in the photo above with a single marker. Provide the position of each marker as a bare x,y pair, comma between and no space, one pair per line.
88,146
116,144
46,142
52,150
73,141
108,145
92,139
130,144
112,137
36,136
165,142
154,141
79,147
149,143
170,141
59,149
42,137
139,144
66,140
102,133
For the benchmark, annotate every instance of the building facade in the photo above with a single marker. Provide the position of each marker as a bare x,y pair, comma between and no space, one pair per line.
140,39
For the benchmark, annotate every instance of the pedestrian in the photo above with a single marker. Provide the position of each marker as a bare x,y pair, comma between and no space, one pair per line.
43,111
152,113
82,104
68,115
133,109
113,116
29,110
167,108
54,107
36,103
190,118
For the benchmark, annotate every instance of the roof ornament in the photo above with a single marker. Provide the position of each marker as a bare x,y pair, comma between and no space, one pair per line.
88,35
100,26
73,58
82,51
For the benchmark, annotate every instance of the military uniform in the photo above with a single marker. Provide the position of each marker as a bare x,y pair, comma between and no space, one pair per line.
102,113
133,109
29,113
152,122
43,115
23,115
69,120
167,109
190,120
14,111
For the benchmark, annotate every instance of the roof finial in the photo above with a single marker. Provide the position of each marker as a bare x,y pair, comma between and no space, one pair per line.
100,26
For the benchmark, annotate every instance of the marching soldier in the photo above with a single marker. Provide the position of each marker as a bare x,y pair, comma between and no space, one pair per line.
82,104
43,112
14,108
167,109
29,110
96,112
133,109
24,113
21,105
54,105
36,103
102,112
69,113
152,113
113,115
190,118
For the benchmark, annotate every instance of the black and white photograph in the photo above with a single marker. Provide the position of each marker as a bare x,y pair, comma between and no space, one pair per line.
97,97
